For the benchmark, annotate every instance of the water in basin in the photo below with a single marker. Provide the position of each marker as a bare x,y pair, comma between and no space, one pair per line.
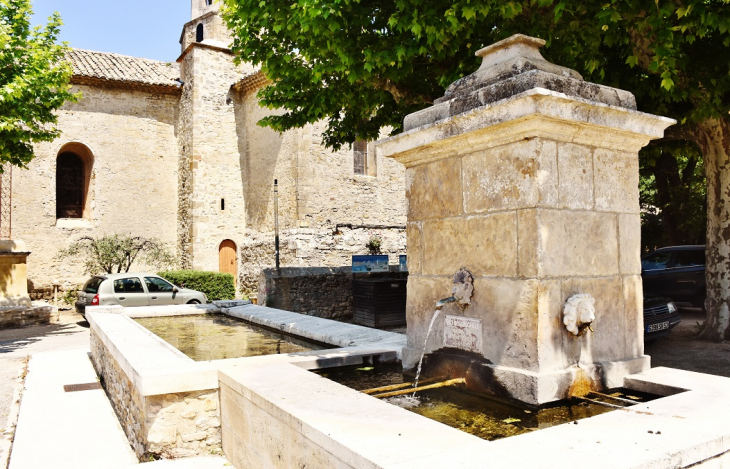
480,416
217,336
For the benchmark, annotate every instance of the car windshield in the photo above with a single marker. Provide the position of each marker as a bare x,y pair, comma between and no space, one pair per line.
92,285
656,261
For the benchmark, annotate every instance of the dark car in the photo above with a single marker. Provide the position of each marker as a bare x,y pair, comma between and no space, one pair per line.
660,316
676,272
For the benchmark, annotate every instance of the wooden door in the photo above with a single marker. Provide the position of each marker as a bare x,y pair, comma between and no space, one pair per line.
227,259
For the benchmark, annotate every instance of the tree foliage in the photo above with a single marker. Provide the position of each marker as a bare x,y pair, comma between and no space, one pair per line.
362,65
34,81
117,253
673,195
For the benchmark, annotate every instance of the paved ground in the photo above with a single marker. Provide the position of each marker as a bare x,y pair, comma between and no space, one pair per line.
681,350
67,339
67,331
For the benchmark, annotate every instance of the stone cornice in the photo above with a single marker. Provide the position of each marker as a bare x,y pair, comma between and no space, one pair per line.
202,45
126,85
537,113
251,82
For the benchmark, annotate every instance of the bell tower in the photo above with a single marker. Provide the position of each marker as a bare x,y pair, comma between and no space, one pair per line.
201,7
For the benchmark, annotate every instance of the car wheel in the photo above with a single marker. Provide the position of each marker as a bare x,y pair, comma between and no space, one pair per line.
193,302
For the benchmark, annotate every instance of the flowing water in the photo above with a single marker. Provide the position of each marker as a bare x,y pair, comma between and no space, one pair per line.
423,351
217,336
480,416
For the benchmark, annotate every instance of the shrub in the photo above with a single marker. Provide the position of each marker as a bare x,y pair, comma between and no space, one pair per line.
215,285
116,253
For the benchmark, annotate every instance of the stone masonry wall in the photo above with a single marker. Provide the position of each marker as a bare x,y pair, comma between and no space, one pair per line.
307,247
325,292
131,135
217,202
326,212
316,291
168,426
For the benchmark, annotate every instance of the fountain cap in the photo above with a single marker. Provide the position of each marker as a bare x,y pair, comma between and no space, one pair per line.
507,59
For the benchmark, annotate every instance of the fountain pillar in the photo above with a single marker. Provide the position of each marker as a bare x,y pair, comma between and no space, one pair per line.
527,176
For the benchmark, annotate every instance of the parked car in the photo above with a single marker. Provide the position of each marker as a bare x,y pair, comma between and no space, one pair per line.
676,272
660,316
134,290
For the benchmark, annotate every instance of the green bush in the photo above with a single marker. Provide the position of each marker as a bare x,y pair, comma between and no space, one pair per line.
215,285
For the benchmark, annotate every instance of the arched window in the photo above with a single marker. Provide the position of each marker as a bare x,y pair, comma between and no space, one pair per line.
74,166
209,2
70,186
199,33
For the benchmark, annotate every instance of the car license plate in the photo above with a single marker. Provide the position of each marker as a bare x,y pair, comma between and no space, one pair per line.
660,326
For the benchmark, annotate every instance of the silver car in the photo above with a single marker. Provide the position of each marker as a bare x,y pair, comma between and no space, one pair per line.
134,290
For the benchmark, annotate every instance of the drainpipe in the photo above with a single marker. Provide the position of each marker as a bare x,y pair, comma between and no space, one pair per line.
276,222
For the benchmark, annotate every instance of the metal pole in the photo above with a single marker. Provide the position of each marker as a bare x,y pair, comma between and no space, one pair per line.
276,222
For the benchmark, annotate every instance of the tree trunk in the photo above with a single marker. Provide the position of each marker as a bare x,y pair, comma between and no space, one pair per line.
714,140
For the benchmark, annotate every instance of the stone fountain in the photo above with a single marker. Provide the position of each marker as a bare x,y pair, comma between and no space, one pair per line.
527,176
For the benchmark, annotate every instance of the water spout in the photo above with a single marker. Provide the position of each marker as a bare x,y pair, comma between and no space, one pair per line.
441,303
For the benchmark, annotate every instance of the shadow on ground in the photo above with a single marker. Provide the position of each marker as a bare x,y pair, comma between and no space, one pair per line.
68,329
681,349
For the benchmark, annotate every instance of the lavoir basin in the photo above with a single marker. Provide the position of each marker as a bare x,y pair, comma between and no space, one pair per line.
482,416
217,336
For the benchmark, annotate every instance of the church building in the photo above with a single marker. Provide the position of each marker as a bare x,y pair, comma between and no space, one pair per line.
173,151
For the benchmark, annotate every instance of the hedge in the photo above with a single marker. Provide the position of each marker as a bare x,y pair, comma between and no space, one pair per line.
215,285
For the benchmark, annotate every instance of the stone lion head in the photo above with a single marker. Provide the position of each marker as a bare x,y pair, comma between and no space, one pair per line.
579,313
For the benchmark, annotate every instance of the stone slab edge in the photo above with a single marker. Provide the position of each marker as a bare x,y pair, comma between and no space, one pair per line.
155,367
357,429
319,329
686,428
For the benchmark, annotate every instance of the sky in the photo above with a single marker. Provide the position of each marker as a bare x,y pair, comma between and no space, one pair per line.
139,28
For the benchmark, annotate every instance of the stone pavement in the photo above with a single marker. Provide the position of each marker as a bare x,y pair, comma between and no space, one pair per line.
56,428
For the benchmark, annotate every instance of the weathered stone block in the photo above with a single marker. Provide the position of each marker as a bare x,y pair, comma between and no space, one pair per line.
575,163
573,243
528,246
629,234
510,313
423,293
551,331
434,190
616,181
607,342
634,311
485,245
415,248
502,178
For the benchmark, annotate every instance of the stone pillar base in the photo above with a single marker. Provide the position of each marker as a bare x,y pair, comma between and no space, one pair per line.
613,372
532,388
13,273
19,316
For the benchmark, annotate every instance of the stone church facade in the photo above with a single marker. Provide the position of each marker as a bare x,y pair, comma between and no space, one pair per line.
173,151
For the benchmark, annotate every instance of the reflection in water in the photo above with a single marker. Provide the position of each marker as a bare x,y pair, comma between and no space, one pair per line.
477,415
217,336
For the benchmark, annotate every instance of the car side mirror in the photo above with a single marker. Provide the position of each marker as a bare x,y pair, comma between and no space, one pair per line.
175,290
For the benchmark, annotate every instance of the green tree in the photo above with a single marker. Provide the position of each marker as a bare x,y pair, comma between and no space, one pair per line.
673,195
34,81
362,65
116,253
